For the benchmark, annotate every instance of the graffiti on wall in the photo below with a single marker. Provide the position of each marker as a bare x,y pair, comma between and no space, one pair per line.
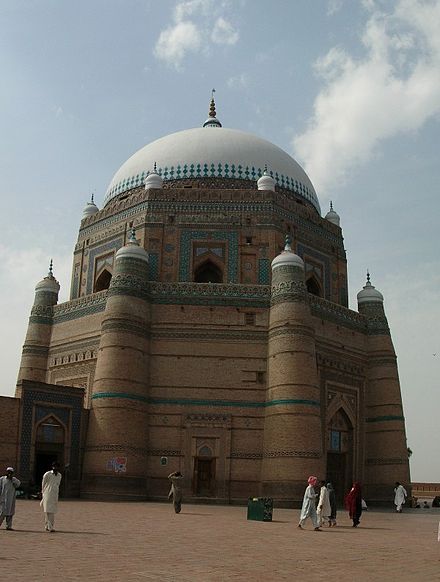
117,464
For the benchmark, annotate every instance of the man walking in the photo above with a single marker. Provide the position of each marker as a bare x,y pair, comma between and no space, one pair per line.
175,493
8,485
400,496
50,488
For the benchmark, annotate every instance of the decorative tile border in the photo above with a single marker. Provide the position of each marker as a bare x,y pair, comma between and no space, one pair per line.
385,418
304,250
112,245
264,271
187,236
214,170
203,402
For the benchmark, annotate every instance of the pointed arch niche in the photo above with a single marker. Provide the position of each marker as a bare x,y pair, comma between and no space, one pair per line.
103,272
49,445
209,262
340,447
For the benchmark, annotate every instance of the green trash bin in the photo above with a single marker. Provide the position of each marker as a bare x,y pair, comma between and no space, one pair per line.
260,508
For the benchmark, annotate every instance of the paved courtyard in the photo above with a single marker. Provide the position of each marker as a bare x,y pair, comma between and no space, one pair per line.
146,541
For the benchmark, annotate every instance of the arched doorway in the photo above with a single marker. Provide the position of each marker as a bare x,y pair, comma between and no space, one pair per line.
340,453
103,281
208,272
313,286
50,435
204,473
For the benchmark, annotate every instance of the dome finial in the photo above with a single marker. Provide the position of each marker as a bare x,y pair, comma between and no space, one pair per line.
368,277
212,120
155,167
50,274
212,112
132,238
331,206
288,243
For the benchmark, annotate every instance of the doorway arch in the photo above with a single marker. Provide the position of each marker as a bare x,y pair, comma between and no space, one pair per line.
208,272
340,452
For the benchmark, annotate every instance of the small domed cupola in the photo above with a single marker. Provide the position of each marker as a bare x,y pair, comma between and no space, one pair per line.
153,180
287,257
212,120
90,209
49,284
333,216
266,182
369,294
132,250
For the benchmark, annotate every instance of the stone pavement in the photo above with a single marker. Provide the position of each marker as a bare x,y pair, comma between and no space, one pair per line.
140,542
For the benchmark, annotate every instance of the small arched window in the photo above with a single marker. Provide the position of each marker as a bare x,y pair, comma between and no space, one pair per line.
103,281
313,287
208,272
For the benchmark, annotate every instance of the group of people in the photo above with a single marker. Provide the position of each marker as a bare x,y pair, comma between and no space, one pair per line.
50,487
325,510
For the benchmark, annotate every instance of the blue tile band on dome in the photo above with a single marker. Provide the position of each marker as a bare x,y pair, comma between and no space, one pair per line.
203,402
214,170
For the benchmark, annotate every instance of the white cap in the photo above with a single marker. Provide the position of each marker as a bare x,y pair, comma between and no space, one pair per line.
333,216
132,249
369,293
153,180
49,283
90,209
287,257
266,182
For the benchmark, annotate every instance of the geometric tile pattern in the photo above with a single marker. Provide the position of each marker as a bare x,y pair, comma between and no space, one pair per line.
187,236
219,170
33,412
264,271
112,245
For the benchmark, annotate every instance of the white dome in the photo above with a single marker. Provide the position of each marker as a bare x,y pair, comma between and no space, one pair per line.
333,216
153,180
90,209
132,250
266,182
287,258
369,294
206,152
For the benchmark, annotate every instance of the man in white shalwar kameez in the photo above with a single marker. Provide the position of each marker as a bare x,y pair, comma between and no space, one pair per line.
400,495
324,510
8,485
50,489
308,507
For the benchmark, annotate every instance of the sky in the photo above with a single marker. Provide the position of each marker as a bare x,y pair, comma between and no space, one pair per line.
351,89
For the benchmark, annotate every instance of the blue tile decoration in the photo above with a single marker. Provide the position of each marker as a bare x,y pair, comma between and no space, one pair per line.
214,170
73,407
187,236
153,266
264,271
112,245
303,250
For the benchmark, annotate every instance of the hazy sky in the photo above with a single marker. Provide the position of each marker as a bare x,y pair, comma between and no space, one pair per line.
350,89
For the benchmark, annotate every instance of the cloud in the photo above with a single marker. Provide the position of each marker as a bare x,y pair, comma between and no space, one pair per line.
393,88
223,32
334,6
240,81
192,31
176,41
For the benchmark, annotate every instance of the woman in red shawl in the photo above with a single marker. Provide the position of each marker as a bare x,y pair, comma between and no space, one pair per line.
353,503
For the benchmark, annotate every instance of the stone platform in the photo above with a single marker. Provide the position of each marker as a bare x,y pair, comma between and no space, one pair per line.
136,542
